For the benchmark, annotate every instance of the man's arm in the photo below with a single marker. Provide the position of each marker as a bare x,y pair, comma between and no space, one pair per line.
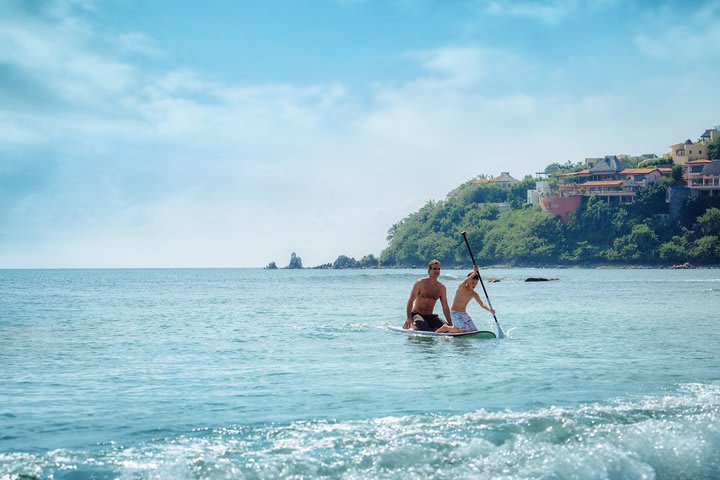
444,303
410,303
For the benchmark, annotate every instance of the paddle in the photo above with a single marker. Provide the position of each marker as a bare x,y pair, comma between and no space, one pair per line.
501,334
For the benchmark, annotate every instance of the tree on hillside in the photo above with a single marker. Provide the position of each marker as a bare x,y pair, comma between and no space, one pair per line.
596,216
393,230
567,167
437,245
709,222
517,196
529,235
706,249
655,162
343,261
650,200
677,249
368,261
640,244
677,176
713,150
486,194
695,207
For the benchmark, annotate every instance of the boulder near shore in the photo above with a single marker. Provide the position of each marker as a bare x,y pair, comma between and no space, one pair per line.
685,265
540,279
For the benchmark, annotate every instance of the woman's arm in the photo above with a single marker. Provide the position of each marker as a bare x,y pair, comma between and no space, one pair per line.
466,283
477,297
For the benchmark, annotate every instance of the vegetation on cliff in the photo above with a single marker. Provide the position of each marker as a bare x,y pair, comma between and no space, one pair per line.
503,229
713,149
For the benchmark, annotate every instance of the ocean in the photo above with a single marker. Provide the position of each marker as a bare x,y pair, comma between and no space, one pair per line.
293,374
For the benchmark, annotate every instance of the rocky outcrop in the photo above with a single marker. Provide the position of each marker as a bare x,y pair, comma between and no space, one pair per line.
683,266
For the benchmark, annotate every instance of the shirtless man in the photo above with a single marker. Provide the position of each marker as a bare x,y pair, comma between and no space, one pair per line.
425,293
465,292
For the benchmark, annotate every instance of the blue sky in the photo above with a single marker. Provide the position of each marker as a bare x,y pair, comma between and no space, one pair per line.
163,133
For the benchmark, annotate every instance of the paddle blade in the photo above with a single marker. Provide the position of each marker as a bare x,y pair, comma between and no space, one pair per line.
501,334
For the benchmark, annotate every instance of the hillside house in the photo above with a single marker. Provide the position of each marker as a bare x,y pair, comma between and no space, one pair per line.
703,177
606,178
504,180
606,169
609,179
542,189
643,176
689,151
710,135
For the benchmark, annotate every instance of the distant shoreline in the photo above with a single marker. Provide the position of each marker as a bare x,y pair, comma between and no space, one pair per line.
590,266
404,267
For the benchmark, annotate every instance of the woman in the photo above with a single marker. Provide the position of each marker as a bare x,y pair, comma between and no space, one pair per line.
460,318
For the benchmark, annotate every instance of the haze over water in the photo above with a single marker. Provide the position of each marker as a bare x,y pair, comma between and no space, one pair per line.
247,373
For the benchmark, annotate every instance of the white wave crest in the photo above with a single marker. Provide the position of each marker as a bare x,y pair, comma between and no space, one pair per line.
672,436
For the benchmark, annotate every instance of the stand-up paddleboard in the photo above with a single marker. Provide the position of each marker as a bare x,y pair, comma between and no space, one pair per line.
425,333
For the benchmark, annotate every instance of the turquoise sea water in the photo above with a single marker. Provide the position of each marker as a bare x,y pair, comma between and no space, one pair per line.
248,373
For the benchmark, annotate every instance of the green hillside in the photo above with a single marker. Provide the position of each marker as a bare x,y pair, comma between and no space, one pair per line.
503,229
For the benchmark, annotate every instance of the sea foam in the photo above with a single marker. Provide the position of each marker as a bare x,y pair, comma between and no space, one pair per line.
672,436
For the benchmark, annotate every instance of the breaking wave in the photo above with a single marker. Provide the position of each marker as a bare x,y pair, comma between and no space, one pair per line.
676,435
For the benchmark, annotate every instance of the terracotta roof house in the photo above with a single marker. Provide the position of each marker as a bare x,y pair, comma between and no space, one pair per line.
610,164
703,177
620,191
638,171
688,151
693,171
600,185
581,173
609,180
606,178
642,176
504,179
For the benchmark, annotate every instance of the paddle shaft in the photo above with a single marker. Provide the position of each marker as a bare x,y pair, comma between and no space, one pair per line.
464,235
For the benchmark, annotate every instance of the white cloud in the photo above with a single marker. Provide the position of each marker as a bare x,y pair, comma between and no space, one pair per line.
551,12
545,11
686,38
468,66
136,42
181,169
350,3
12,133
